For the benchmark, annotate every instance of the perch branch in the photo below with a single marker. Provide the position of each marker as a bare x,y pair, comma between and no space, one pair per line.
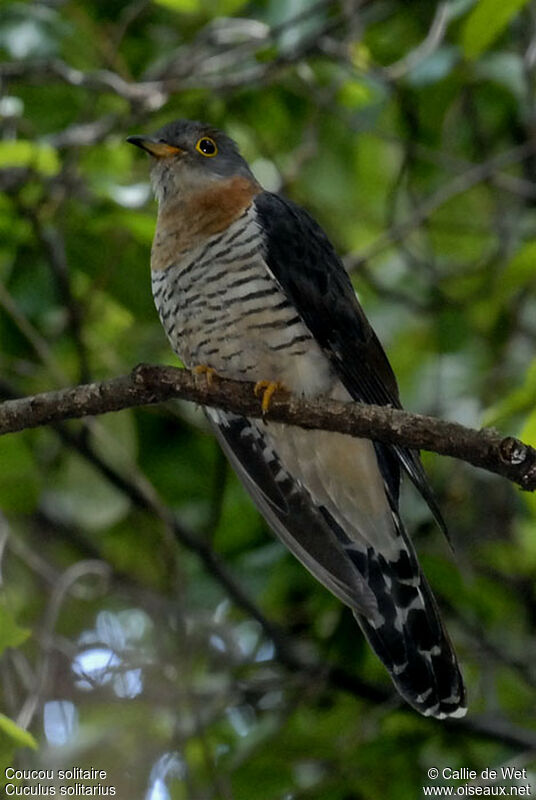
147,385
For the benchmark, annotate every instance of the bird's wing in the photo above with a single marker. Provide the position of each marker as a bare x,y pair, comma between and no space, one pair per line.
289,509
304,263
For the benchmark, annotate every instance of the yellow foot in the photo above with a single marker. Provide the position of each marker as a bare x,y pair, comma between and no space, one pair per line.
267,389
209,373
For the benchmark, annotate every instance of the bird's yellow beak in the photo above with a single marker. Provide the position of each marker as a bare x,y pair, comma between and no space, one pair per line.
154,147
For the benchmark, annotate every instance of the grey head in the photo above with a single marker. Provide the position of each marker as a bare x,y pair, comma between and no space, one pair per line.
188,156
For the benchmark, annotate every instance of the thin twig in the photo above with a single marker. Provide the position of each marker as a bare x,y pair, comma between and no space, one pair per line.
425,49
71,575
38,342
53,245
458,185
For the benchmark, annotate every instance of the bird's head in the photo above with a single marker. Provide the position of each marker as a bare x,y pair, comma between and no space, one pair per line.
190,156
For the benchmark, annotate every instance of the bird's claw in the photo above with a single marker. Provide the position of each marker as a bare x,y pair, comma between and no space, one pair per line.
267,389
209,373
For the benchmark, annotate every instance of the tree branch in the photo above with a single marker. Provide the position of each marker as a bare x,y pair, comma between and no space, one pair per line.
147,385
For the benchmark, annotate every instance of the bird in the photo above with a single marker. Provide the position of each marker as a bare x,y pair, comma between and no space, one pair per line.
248,286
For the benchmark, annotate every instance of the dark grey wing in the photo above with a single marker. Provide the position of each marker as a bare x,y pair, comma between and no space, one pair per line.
290,511
303,261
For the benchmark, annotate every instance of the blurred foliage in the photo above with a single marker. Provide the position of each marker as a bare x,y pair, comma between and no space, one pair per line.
407,129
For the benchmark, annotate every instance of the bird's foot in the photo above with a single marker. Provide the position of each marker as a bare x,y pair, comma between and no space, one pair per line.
268,389
209,373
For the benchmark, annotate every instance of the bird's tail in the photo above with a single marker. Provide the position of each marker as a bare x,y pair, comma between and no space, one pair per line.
407,634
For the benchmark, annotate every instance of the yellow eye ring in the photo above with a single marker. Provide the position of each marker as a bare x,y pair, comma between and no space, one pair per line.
207,147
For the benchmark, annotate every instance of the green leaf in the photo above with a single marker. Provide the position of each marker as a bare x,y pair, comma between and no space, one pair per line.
20,483
214,8
354,94
81,496
17,735
181,6
486,22
41,157
527,434
528,431
11,634
520,270
79,493
521,399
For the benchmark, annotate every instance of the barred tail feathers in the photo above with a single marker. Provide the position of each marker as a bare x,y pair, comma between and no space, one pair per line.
408,636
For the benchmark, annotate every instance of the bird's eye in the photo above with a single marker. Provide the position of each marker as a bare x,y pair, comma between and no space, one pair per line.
207,146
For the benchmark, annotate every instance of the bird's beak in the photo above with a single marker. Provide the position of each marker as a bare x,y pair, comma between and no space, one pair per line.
154,147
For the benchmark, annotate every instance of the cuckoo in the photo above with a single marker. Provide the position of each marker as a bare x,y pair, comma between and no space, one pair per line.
248,286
